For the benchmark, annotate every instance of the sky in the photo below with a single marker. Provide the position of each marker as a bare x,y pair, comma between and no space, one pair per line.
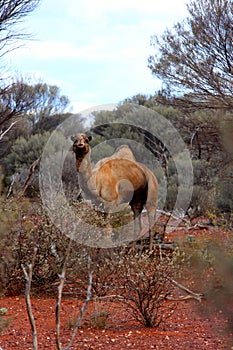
96,52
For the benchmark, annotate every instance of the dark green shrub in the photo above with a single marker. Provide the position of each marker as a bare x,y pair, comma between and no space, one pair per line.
224,196
209,263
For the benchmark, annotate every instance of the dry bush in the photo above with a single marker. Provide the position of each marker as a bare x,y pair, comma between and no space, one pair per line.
26,225
208,264
143,284
139,280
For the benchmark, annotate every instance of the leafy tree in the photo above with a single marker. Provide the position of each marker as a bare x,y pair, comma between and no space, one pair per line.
32,103
224,195
38,101
26,154
49,124
195,57
47,101
132,122
25,151
141,100
16,99
12,13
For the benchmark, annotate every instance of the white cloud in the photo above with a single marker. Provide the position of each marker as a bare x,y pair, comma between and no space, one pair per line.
92,10
101,33
98,48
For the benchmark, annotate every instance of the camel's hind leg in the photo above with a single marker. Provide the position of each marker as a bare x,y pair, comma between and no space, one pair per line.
137,210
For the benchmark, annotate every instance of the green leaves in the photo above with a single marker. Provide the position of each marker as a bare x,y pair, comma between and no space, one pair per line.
195,56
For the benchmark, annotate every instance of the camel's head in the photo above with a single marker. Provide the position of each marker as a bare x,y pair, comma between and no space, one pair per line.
81,144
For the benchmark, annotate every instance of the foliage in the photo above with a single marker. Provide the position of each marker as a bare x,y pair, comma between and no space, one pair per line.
195,57
4,322
24,226
141,100
50,123
209,261
224,196
26,107
47,101
12,13
139,280
25,151
145,284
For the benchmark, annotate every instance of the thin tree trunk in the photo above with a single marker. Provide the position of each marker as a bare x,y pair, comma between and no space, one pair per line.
59,297
30,175
28,278
83,309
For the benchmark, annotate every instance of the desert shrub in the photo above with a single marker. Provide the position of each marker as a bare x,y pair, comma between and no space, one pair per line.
70,178
141,281
208,264
4,321
99,319
203,173
26,225
144,285
204,187
103,265
224,196
25,151
202,200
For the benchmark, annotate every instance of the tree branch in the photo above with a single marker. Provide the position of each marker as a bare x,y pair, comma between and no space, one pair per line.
83,309
197,296
3,133
31,173
59,297
28,278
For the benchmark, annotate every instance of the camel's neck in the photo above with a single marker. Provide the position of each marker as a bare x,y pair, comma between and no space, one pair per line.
85,177
83,166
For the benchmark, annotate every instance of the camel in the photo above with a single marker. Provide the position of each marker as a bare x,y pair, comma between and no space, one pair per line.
117,179
124,151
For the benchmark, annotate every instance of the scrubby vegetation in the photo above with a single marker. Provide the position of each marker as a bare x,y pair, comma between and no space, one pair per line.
145,282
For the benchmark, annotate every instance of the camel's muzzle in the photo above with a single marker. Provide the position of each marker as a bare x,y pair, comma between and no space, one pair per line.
79,149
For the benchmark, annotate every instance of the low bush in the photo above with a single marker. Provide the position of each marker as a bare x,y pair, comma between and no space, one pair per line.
24,226
208,264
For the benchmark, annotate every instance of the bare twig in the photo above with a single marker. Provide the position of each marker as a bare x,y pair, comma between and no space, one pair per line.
88,298
3,133
11,186
174,217
28,278
112,296
192,294
185,297
189,225
59,296
31,173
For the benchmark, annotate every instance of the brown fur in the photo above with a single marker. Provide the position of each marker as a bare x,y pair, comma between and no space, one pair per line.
117,179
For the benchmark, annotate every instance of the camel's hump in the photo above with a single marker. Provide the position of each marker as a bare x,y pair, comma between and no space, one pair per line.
123,151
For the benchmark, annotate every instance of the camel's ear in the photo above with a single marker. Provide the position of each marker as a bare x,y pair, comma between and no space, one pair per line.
73,138
90,138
